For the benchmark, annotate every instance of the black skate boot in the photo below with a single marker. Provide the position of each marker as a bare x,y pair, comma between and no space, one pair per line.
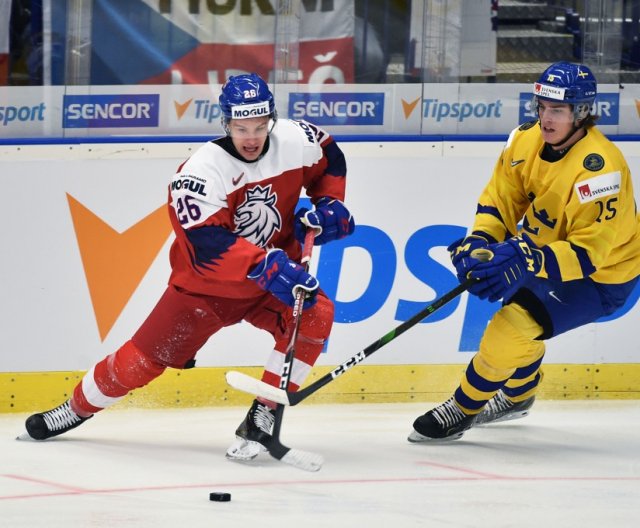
51,423
500,409
444,422
253,434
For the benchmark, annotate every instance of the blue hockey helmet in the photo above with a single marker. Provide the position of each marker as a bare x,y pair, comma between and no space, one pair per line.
565,82
245,96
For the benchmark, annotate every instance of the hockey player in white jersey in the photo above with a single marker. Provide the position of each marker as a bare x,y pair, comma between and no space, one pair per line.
238,237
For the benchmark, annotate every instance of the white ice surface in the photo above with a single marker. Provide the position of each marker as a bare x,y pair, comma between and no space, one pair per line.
569,464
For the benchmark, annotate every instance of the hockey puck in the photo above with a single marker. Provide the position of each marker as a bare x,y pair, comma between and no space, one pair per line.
217,496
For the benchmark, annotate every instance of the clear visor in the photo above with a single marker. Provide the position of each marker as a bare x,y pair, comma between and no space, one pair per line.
249,128
553,111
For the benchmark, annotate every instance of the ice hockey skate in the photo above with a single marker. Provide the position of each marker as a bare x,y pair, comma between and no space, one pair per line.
253,433
41,426
501,409
443,423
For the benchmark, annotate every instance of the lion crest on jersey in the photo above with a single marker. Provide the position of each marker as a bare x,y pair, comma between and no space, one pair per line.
257,218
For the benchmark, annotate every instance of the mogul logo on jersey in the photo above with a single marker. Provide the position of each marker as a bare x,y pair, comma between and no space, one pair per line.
190,183
598,187
110,111
338,108
607,106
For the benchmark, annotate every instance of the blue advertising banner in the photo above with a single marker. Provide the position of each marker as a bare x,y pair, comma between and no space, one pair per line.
112,110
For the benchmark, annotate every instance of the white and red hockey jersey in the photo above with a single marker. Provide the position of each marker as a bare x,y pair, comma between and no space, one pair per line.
226,212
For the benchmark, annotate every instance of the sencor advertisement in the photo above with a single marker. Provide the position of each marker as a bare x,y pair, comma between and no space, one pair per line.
111,111
337,109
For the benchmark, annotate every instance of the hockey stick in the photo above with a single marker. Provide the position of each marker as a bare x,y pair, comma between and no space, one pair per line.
246,383
296,457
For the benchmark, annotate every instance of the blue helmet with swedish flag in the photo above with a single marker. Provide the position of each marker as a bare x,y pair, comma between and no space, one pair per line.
566,82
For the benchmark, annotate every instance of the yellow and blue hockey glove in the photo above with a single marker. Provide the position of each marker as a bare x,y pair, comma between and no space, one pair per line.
512,263
460,253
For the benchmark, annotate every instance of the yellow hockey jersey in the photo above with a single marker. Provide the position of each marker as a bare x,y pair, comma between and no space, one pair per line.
580,210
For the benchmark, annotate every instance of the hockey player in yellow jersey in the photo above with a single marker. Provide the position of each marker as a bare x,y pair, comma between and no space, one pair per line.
560,227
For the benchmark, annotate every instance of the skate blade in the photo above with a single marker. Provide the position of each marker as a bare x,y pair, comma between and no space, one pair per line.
24,437
507,418
416,438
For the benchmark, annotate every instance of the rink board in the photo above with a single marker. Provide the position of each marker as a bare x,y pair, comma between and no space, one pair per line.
61,313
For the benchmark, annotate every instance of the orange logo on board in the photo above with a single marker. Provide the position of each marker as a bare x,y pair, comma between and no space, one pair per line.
115,263
181,108
408,107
